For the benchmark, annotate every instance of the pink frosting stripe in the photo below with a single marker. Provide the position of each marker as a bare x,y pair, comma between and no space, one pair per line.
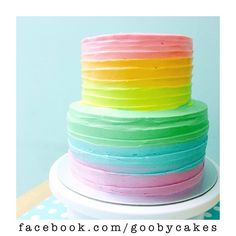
136,46
148,191
120,180
135,55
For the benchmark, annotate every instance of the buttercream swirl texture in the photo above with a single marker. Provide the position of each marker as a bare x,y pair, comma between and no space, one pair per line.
136,130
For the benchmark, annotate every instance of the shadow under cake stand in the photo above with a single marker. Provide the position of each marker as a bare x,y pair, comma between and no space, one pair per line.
84,202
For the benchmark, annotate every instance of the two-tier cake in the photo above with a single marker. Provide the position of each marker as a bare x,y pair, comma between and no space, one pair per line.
136,130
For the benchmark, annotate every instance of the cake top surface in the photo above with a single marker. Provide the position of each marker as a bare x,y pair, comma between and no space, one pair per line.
137,36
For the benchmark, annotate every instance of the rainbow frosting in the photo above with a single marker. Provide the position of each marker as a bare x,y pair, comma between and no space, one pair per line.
136,130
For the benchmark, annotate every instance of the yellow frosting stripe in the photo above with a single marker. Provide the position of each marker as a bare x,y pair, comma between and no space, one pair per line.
137,84
160,103
138,93
161,82
146,63
136,73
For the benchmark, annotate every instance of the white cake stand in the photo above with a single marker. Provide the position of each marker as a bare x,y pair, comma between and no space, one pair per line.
84,202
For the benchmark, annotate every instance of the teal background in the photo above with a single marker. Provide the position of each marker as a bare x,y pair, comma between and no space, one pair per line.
48,79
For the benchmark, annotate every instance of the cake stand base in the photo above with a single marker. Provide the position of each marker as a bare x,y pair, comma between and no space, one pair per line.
84,202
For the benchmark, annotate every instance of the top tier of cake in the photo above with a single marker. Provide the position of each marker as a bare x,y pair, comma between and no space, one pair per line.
137,71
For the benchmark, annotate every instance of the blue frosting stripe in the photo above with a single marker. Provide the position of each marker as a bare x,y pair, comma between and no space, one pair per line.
75,143
170,158
181,160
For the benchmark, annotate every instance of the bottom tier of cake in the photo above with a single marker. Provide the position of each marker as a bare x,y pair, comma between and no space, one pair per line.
142,153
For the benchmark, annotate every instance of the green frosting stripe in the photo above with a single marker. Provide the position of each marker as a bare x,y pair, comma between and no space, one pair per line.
139,143
192,108
127,128
134,133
